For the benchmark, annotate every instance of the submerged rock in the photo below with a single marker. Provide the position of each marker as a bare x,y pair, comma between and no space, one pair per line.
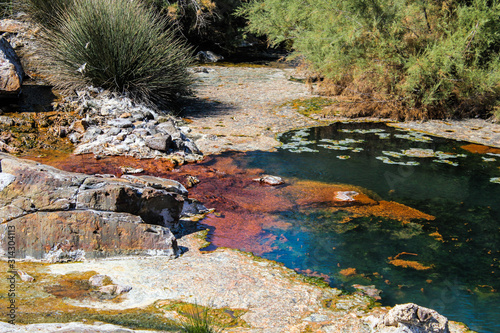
63,216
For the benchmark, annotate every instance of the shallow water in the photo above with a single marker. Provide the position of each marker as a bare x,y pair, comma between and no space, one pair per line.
450,264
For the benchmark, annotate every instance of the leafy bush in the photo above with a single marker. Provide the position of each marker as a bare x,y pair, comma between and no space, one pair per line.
404,58
119,45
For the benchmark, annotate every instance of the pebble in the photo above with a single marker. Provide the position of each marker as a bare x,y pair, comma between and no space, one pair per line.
270,180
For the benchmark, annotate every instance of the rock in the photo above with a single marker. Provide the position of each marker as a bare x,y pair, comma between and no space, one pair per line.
113,289
11,71
8,121
193,207
208,56
191,181
120,123
25,276
63,216
159,183
412,318
129,170
5,180
160,142
191,148
80,126
99,280
270,180
80,235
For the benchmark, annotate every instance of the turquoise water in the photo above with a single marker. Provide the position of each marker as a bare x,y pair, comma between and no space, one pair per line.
459,188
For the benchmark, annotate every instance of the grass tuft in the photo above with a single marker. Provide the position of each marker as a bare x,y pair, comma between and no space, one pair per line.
118,45
197,320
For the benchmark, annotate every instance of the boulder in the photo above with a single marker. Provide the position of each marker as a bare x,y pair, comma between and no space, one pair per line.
64,216
11,70
208,57
412,318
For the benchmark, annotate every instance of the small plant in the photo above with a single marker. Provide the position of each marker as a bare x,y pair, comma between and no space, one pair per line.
197,320
119,45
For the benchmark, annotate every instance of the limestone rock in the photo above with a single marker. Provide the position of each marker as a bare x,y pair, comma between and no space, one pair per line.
77,235
412,318
11,71
120,123
64,216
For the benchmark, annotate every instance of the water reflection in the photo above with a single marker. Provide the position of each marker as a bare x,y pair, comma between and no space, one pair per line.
450,263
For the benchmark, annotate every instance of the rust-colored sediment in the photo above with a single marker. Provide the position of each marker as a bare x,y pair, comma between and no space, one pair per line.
480,149
408,263
244,209
348,271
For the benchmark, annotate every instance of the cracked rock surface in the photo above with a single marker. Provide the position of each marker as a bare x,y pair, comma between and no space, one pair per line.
60,216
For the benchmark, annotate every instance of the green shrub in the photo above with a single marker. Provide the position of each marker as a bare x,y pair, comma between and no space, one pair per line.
418,58
119,45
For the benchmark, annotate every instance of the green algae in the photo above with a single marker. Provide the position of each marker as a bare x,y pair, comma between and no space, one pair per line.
309,106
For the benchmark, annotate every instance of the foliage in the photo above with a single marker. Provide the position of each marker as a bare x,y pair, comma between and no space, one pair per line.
119,45
209,24
419,58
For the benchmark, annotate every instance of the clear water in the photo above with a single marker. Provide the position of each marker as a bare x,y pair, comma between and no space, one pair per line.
457,187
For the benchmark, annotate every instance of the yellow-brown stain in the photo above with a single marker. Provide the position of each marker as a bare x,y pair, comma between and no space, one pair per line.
408,263
480,149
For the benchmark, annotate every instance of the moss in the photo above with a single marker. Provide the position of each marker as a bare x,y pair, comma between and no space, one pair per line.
313,280
202,236
309,106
